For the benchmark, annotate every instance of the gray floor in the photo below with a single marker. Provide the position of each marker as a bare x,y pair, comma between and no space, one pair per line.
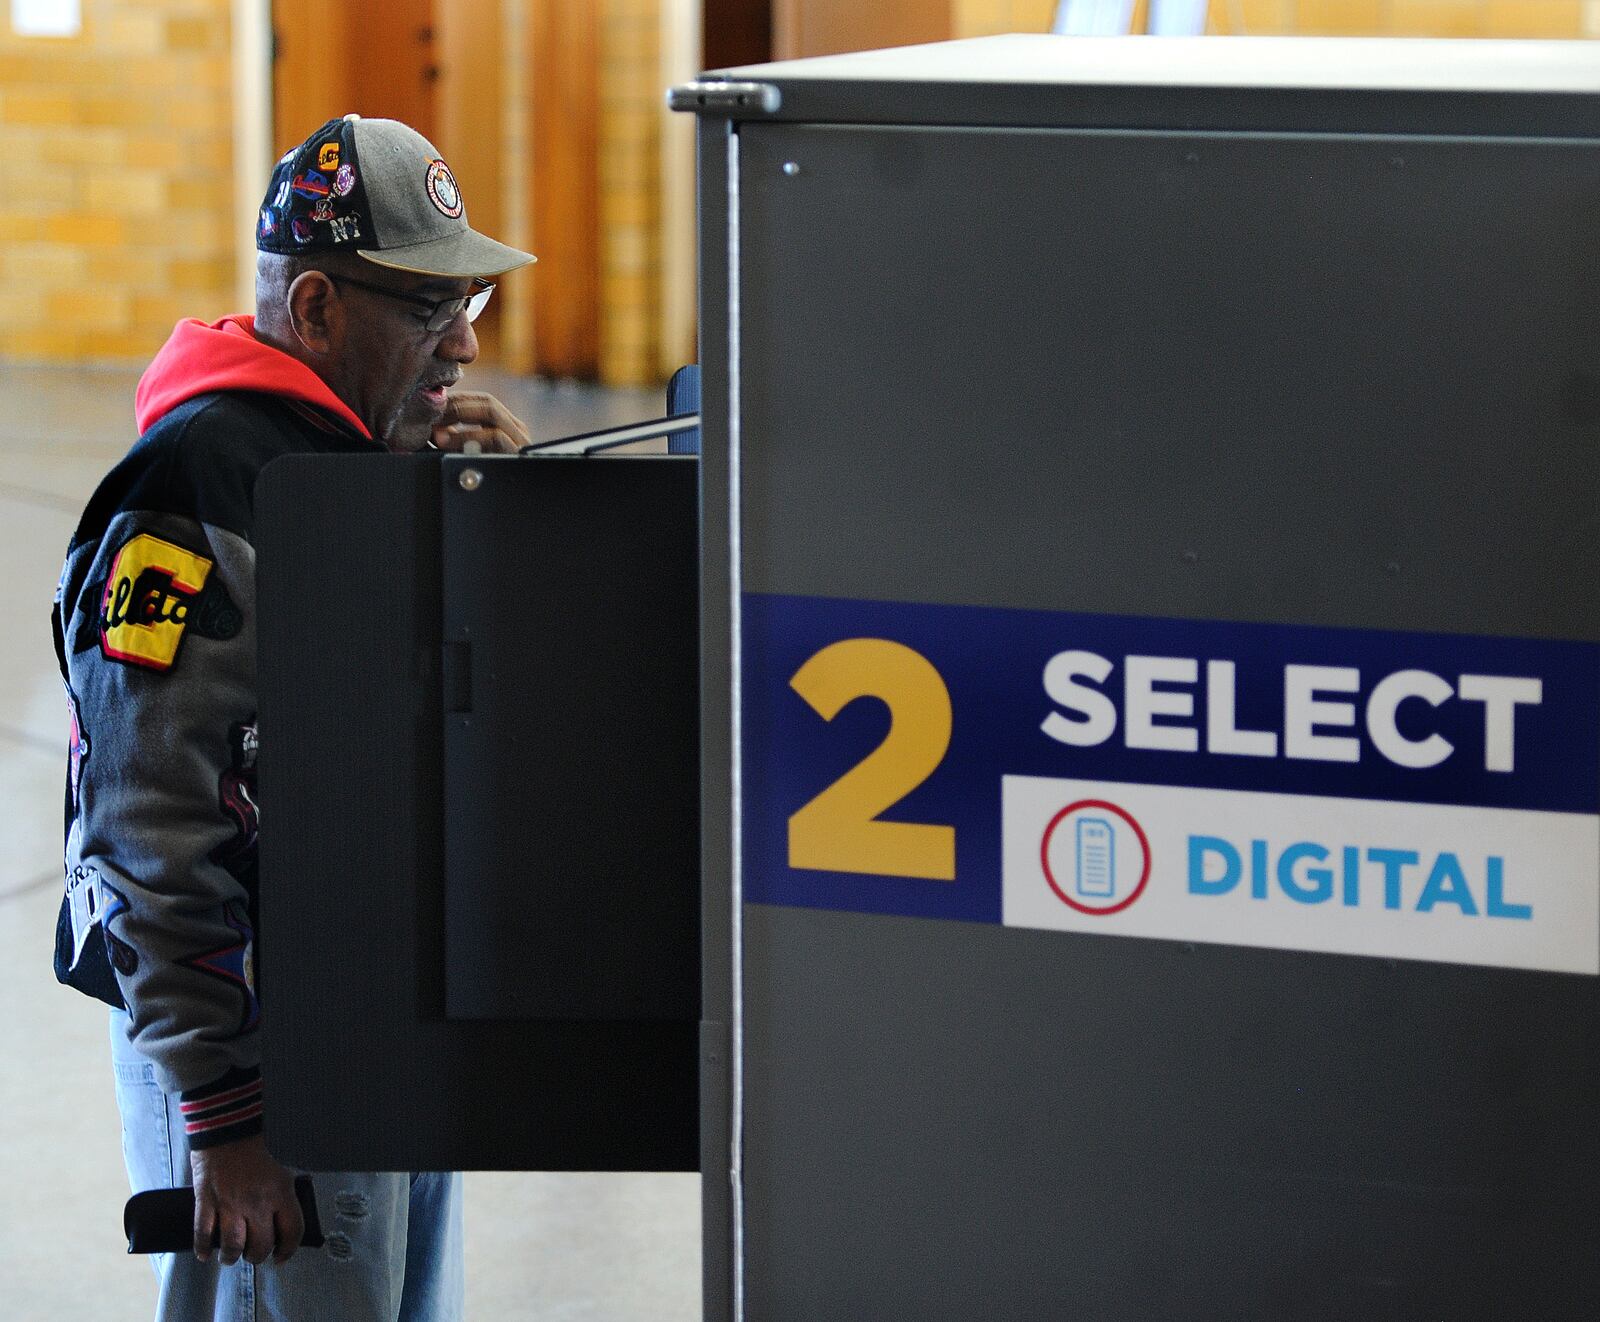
558,1248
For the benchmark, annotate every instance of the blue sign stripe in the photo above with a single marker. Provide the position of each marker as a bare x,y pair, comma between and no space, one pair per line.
993,663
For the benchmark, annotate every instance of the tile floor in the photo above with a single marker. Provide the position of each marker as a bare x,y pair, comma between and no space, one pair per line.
557,1248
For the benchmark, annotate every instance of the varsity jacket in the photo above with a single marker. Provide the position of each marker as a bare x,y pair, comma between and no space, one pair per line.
154,625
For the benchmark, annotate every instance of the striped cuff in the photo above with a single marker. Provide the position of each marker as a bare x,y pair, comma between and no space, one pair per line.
223,1111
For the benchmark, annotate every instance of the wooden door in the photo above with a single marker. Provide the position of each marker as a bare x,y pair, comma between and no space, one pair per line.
469,104
394,65
827,27
564,36
736,32
374,59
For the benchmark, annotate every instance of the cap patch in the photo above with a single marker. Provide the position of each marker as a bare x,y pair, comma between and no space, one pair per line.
345,180
328,157
269,223
300,227
442,189
311,184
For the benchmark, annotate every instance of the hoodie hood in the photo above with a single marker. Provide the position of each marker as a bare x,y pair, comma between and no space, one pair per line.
225,355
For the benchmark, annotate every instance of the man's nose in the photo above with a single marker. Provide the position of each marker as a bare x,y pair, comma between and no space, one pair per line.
459,343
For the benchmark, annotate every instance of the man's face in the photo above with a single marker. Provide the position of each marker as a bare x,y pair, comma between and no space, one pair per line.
396,369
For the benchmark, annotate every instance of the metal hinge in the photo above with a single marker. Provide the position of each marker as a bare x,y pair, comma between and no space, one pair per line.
737,100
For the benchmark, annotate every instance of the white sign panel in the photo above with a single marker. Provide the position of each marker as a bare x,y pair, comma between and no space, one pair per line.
1467,885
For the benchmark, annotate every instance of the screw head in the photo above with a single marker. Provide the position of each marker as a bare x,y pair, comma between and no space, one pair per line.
471,479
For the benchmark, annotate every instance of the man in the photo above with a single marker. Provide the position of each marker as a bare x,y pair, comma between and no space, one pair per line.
368,279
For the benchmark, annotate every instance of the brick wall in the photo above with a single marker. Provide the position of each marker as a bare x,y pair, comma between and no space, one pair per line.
116,201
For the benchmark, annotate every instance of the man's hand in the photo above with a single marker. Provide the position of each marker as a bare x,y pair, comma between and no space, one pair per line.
475,423
241,1190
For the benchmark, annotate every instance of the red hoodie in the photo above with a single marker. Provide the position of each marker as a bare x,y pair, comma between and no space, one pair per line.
226,355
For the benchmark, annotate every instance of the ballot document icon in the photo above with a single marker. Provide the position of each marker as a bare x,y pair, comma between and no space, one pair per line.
1096,857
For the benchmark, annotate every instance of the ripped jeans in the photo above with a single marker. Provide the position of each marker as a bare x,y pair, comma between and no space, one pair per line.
393,1251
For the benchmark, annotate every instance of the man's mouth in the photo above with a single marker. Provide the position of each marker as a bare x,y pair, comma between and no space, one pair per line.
435,396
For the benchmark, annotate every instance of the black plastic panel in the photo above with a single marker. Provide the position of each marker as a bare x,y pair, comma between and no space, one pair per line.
364,1070
572,755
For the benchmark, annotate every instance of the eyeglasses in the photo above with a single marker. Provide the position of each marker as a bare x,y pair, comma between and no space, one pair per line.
440,314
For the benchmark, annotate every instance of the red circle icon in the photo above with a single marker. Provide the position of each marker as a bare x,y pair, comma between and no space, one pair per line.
1077,902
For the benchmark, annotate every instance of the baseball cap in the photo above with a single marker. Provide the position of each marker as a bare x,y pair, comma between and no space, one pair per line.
380,189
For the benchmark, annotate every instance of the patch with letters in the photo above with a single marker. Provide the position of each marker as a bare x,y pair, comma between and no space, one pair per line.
311,184
91,903
328,157
156,592
83,906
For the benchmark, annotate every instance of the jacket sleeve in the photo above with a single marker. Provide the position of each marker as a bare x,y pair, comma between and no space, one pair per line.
159,642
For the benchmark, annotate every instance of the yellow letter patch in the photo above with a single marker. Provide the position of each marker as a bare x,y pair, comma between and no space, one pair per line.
149,593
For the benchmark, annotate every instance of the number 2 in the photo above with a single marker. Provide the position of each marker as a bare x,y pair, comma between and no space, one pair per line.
839,830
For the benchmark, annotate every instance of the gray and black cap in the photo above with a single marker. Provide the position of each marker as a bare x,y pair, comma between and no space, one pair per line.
380,189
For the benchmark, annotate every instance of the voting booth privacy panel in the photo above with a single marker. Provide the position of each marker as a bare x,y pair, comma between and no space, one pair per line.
1152,681
480,909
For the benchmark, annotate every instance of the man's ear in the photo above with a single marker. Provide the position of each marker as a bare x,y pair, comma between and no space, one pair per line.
315,312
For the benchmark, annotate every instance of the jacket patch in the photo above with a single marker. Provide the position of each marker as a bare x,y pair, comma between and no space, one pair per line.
215,614
83,907
170,610
150,594
113,904
77,746
233,963
92,903
236,794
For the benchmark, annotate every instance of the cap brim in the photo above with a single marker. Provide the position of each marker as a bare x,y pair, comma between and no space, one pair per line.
466,253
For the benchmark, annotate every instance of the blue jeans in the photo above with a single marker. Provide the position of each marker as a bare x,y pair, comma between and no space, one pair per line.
393,1251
